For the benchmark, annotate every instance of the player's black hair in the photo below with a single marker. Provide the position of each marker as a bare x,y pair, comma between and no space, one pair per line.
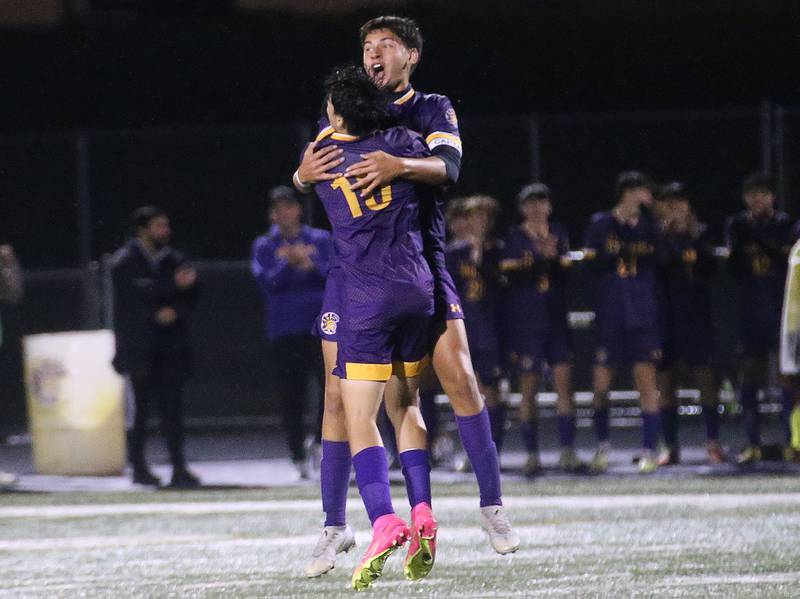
673,189
141,217
533,191
759,181
356,99
403,27
627,180
280,193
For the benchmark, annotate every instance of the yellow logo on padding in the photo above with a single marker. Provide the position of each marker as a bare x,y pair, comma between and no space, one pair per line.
329,322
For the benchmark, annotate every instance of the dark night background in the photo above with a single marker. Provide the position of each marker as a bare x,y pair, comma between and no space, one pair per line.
123,67
199,106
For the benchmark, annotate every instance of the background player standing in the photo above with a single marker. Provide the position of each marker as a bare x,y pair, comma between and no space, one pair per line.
759,239
686,266
535,261
620,250
474,263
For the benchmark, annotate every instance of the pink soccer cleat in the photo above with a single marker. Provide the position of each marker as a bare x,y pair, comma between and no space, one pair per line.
389,533
422,550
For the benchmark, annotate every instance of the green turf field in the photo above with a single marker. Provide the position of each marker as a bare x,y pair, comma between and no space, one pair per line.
606,537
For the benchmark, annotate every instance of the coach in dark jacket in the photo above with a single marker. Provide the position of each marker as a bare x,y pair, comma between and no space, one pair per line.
154,292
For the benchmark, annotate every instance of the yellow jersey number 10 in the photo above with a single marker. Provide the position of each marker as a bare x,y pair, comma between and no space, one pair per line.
370,201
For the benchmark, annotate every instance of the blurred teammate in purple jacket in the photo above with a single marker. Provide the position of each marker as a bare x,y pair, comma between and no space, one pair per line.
620,249
759,239
391,50
289,264
535,261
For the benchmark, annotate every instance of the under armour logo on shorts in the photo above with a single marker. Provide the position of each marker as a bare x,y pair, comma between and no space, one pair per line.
329,322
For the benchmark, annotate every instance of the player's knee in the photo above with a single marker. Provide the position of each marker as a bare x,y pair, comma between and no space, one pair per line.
461,388
333,408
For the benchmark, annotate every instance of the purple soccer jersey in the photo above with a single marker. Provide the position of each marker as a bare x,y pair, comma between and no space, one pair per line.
386,287
622,259
478,285
433,117
686,265
759,261
535,301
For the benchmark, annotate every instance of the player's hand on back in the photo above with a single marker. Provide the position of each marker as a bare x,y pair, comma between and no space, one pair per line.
375,170
315,164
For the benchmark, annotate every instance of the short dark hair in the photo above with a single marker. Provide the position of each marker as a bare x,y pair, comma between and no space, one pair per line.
403,27
534,191
141,217
628,180
759,181
356,99
280,193
673,189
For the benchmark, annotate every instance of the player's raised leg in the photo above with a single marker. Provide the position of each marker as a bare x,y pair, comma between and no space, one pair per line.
453,366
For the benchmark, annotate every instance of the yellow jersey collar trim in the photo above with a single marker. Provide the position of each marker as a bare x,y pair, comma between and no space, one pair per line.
405,97
344,137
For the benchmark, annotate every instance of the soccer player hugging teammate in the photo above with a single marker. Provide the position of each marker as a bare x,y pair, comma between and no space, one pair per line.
534,263
386,306
473,259
686,266
392,47
759,239
620,251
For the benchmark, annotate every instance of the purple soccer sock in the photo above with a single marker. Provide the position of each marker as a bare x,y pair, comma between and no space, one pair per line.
530,435
711,417
669,424
601,424
497,421
566,430
752,421
651,429
334,479
372,476
417,472
476,437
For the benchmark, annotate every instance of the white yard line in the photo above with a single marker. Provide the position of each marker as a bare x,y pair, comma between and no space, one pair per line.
586,502
768,578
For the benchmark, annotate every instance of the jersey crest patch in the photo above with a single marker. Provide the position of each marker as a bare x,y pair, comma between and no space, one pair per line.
329,322
450,115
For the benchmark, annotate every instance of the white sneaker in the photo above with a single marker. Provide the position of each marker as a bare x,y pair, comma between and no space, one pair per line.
496,525
333,541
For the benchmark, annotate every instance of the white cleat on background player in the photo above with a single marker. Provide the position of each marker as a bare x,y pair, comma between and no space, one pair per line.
496,525
333,541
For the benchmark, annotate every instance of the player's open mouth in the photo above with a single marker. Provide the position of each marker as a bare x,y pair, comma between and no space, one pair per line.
377,74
